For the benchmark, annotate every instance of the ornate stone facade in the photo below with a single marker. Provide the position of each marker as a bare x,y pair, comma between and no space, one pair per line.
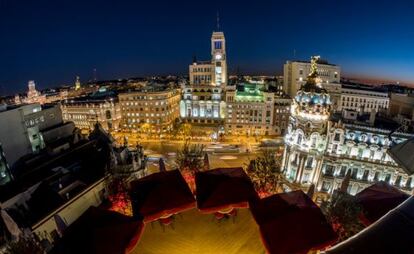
203,99
321,149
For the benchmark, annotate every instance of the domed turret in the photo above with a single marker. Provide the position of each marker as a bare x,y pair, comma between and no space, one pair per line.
312,102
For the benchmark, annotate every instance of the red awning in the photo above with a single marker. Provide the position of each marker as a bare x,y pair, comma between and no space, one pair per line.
160,194
291,223
378,199
101,231
222,189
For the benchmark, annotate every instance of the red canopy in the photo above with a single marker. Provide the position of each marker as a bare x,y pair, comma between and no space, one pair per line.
291,223
101,231
378,199
160,194
222,189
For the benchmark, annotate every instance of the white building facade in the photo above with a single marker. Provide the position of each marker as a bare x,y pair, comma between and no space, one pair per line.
295,74
24,128
86,113
203,99
321,151
363,99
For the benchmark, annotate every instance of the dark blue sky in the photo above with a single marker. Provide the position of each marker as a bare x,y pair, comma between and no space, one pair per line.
52,41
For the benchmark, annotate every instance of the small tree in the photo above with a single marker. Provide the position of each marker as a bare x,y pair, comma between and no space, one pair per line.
190,157
265,172
182,130
118,194
342,211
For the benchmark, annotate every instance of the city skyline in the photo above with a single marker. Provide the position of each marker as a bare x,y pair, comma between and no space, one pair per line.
206,127
53,45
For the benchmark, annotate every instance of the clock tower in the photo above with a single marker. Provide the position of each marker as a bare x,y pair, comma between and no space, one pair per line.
218,59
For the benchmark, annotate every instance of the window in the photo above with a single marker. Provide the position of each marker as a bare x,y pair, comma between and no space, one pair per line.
408,183
334,148
354,173
398,181
326,186
306,178
314,140
299,139
217,44
365,176
309,162
108,114
387,178
329,170
376,176
342,172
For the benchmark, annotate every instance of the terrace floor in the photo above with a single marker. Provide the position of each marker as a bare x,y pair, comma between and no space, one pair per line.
198,233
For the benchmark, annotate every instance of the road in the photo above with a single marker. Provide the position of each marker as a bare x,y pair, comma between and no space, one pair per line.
233,152
221,155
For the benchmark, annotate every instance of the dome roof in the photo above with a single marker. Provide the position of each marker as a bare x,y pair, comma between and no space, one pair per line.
312,98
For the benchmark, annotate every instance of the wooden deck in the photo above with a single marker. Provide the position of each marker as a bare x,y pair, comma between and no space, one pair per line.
198,233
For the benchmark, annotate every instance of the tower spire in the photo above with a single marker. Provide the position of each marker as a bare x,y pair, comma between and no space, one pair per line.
218,21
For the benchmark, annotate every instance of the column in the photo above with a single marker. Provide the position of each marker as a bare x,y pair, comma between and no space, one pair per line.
300,168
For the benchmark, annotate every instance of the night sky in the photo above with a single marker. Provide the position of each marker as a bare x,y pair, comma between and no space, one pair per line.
53,41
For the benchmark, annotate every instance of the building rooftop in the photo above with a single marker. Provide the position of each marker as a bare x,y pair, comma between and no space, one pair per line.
102,95
356,86
54,180
382,124
320,61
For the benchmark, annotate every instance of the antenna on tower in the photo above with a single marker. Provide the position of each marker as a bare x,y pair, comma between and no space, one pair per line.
218,21
94,74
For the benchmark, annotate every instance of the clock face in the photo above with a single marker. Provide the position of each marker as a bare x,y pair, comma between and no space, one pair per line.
218,56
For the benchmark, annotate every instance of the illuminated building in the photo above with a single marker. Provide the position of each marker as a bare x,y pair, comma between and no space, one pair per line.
321,148
34,96
252,110
17,99
363,98
101,106
150,110
203,98
77,83
295,74
281,114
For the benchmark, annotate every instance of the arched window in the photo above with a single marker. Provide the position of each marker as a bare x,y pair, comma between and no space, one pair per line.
299,140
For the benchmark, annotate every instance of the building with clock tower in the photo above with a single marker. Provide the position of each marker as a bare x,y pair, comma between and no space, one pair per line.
203,98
